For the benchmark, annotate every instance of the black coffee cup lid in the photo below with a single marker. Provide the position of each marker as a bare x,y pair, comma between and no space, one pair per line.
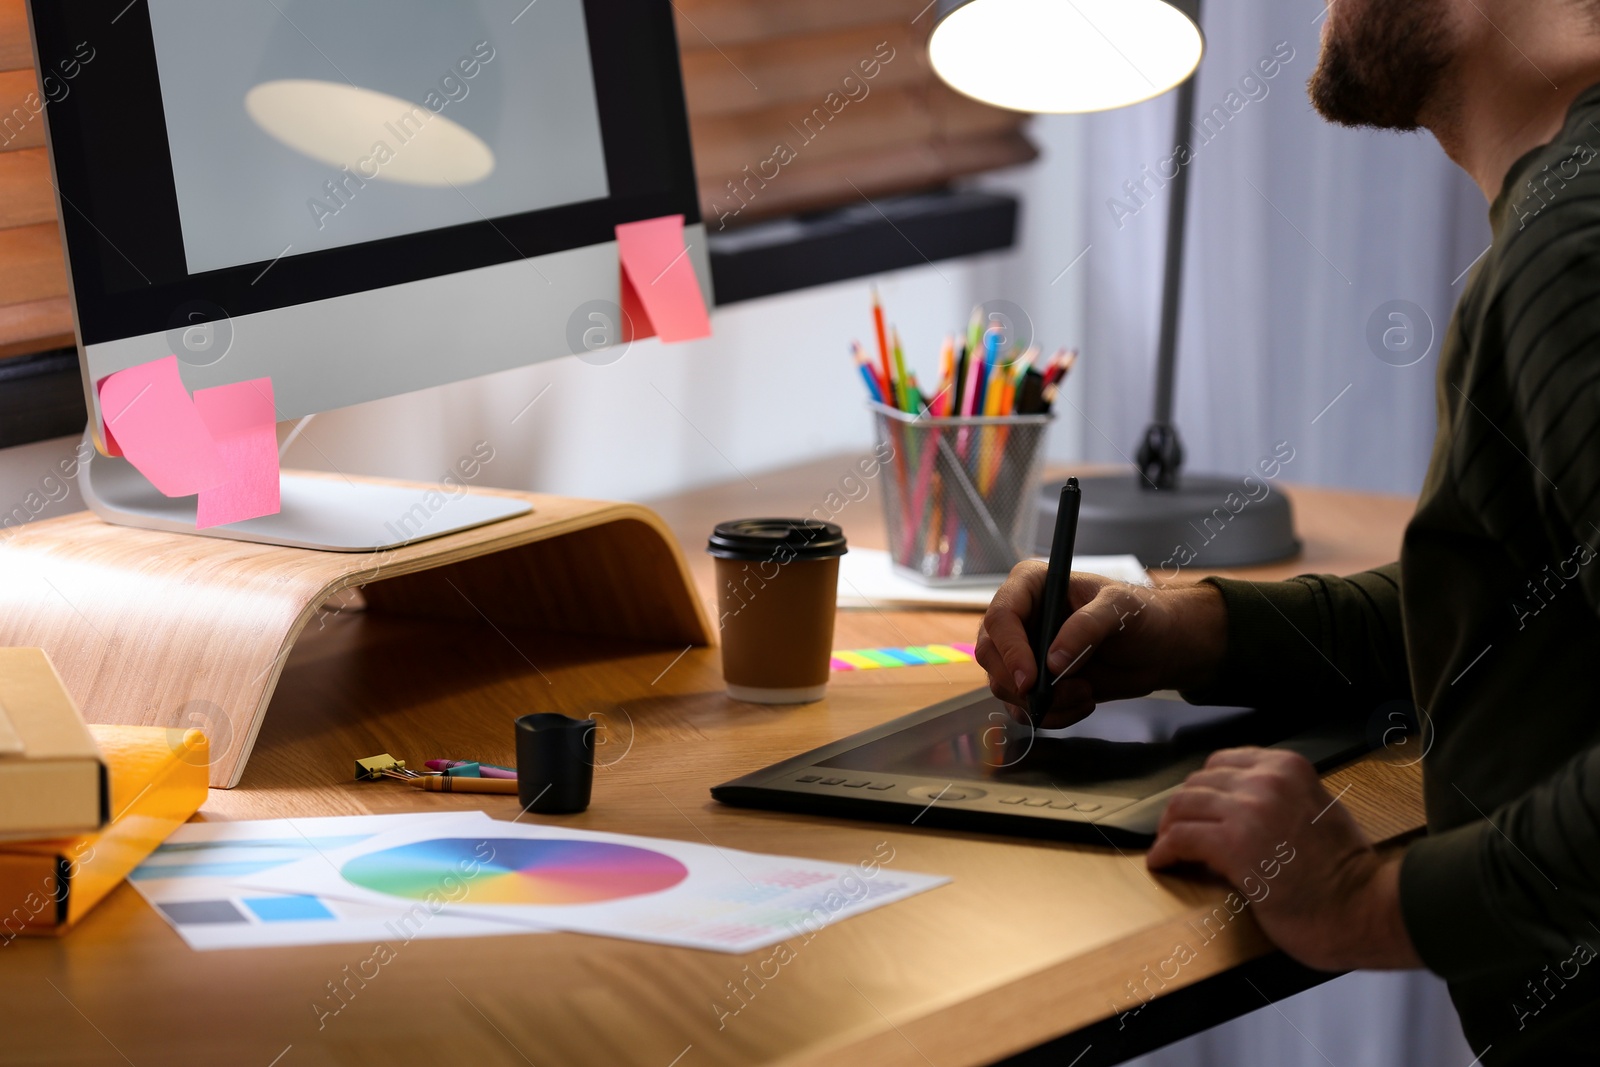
757,539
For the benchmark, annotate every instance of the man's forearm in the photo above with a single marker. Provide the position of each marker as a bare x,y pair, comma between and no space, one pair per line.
1203,614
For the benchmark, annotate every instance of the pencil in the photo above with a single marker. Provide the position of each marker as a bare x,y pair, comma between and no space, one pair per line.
975,329
868,375
1008,396
947,370
902,383
440,783
883,348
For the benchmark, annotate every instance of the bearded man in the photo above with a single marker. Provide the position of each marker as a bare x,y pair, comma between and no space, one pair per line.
1488,620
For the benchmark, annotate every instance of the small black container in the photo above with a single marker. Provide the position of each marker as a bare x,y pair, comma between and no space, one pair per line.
555,763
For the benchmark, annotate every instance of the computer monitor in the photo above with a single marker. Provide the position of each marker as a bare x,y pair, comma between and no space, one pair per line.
355,198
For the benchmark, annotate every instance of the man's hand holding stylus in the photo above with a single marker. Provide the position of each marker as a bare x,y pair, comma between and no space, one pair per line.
1257,817
1120,641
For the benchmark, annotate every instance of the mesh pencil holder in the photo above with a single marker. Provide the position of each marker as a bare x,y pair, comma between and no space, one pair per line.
959,492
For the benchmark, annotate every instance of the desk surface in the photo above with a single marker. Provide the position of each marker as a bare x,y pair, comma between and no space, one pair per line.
954,976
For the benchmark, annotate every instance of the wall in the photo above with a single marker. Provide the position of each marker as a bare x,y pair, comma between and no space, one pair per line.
775,386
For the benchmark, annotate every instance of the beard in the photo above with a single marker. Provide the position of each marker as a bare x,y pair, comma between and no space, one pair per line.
1382,62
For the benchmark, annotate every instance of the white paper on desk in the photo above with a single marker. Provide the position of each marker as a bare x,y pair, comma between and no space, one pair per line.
614,885
200,881
868,579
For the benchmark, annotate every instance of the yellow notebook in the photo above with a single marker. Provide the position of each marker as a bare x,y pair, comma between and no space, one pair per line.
158,779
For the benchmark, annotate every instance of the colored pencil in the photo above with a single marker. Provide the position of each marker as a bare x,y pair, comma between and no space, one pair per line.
947,368
902,384
871,379
883,346
439,783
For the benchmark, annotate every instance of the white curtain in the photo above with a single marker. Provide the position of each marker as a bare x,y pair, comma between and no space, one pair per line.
1300,235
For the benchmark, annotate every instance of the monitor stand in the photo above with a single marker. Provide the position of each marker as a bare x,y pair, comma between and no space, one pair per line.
150,625
331,513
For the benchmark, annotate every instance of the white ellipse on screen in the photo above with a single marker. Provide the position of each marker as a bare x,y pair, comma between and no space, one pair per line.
1051,56
344,125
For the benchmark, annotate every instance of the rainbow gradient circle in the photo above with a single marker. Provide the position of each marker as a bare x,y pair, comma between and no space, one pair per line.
515,871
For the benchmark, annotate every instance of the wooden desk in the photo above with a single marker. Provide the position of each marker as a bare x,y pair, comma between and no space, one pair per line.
1032,940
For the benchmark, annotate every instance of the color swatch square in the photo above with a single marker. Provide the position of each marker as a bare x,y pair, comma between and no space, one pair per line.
288,909
191,912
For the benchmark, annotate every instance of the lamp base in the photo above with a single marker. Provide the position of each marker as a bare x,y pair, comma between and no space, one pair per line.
1207,521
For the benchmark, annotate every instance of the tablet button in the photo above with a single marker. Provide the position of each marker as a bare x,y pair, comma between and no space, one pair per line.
833,781
809,778
1037,802
945,792
857,785
1064,805
1086,806
881,785
1012,800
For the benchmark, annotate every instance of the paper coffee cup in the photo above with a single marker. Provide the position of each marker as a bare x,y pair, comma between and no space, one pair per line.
777,587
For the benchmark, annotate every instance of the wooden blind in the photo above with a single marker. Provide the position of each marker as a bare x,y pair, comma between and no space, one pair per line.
813,104
843,85
34,314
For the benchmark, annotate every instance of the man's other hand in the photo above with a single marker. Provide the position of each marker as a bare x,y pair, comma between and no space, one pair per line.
1261,819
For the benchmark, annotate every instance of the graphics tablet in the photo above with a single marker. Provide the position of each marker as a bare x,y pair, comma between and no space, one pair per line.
966,764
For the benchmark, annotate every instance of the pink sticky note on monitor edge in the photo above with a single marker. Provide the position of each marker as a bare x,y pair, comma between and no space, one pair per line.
154,424
244,421
655,263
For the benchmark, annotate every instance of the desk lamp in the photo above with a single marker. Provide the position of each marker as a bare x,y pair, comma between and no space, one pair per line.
1076,56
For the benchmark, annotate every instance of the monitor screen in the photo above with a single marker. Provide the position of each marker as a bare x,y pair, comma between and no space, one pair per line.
228,159
297,127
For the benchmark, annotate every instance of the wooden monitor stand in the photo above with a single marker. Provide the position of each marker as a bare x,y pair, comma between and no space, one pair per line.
167,629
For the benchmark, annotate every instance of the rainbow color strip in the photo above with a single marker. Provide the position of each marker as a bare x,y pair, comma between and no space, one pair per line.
872,659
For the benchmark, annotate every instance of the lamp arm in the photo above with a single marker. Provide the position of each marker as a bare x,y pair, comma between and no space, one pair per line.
1160,455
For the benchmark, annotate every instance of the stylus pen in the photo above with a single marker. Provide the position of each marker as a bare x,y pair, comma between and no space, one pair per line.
1053,609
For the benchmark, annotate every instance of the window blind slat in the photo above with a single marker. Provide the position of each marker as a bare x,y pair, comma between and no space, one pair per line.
25,193
723,23
891,118
31,264
814,183
16,52
801,70
21,111
35,326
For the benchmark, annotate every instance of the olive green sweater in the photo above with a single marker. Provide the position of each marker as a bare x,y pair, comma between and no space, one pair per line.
1490,623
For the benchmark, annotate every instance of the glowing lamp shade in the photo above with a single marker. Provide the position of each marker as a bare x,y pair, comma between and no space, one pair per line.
1064,56
374,134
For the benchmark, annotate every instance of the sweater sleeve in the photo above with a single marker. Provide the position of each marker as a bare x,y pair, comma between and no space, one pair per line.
1522,883
1316,642
1548,322
1518,886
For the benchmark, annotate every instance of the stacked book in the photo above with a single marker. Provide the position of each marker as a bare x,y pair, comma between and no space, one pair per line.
80,806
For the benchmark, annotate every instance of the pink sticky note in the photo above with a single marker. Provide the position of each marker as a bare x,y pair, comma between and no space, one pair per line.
656,264
244,422
156,427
